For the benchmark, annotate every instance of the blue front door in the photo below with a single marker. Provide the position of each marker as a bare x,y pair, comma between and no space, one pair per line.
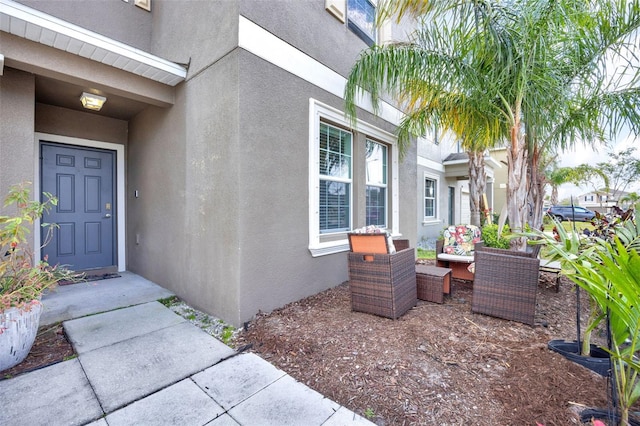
83,180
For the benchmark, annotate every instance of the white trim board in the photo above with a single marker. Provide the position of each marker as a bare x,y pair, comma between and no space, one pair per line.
31,24
260,42
120,186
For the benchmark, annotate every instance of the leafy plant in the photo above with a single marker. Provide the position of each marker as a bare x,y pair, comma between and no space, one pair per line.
490,236
227,334
607,267
369,413
22,280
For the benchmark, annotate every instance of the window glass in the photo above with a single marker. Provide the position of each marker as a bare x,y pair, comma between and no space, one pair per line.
335,179
335,152
429,198
376,180
361,16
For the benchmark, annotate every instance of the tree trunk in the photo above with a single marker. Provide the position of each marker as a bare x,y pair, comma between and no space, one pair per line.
477,185
536,189
517,183
554,195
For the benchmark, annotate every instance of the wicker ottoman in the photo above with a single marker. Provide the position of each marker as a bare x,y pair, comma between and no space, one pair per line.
433,282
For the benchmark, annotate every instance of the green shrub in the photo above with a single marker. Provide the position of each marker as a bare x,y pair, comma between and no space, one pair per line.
490,236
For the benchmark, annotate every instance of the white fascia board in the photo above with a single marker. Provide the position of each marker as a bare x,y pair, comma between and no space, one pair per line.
260,42
454,162
430,164
40,27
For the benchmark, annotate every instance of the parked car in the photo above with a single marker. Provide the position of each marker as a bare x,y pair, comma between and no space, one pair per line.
577,213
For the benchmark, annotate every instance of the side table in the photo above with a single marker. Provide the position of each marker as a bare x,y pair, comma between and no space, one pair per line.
433,282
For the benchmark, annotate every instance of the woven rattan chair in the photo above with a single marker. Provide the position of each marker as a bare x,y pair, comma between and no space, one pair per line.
505,284
381,283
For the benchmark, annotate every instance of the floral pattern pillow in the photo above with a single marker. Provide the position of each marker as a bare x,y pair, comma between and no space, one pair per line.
460,239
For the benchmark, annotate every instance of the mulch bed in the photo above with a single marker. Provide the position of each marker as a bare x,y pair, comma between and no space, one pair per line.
437,364
51,346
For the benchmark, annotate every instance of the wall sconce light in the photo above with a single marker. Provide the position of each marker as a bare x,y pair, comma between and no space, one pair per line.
92,102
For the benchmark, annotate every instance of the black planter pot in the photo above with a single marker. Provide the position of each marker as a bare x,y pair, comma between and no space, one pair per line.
599,361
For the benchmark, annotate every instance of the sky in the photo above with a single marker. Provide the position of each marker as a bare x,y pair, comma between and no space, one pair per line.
587,155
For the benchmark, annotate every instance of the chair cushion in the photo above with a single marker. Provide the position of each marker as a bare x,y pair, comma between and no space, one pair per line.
371,229
455,258
460,239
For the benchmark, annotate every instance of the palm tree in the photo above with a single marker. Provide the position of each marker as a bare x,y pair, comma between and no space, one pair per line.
534,70
426,75
630,199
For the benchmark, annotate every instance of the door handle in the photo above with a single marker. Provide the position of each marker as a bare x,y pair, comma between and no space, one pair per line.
107,215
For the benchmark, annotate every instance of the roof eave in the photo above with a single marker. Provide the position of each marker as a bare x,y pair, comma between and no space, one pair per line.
31,24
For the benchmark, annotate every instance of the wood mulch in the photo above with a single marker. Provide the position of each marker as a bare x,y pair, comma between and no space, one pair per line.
437,364
51,346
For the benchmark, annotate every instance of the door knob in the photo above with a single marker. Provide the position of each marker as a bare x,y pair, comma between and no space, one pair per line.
107,215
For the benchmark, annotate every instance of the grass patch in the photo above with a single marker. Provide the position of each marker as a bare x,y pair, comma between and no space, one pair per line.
580,226
169,301
426,254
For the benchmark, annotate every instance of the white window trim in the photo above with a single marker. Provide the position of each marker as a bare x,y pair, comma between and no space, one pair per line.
385,185
436,218
318,111
328,178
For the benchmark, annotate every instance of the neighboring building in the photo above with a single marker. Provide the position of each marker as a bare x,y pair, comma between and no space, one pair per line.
601,200
443,186
221,165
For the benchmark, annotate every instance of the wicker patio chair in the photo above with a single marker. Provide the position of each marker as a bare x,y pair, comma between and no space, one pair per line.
505,284
381,283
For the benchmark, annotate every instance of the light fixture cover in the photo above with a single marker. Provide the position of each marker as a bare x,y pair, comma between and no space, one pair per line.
92,102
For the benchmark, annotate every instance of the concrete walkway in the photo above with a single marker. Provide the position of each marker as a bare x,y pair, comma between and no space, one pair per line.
141,364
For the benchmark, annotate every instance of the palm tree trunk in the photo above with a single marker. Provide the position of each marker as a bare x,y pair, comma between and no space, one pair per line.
536,189
554,195
477,184
517,184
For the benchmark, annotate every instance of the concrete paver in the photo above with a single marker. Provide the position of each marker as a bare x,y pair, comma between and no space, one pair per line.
56,395
223,420
182,403
231,382
78,300
344,417
139,363
284,402
96,331
145,364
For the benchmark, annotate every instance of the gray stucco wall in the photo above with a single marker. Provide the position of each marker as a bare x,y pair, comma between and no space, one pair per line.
85,125
276,265
17,147
194,32
183,161
307,26
116,19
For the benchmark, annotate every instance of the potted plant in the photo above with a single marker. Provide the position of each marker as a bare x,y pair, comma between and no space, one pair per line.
22,280
570,249
608,269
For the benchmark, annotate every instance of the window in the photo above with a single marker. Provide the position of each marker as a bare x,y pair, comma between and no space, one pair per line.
376,180
361,16
335,179
353,179
430,198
